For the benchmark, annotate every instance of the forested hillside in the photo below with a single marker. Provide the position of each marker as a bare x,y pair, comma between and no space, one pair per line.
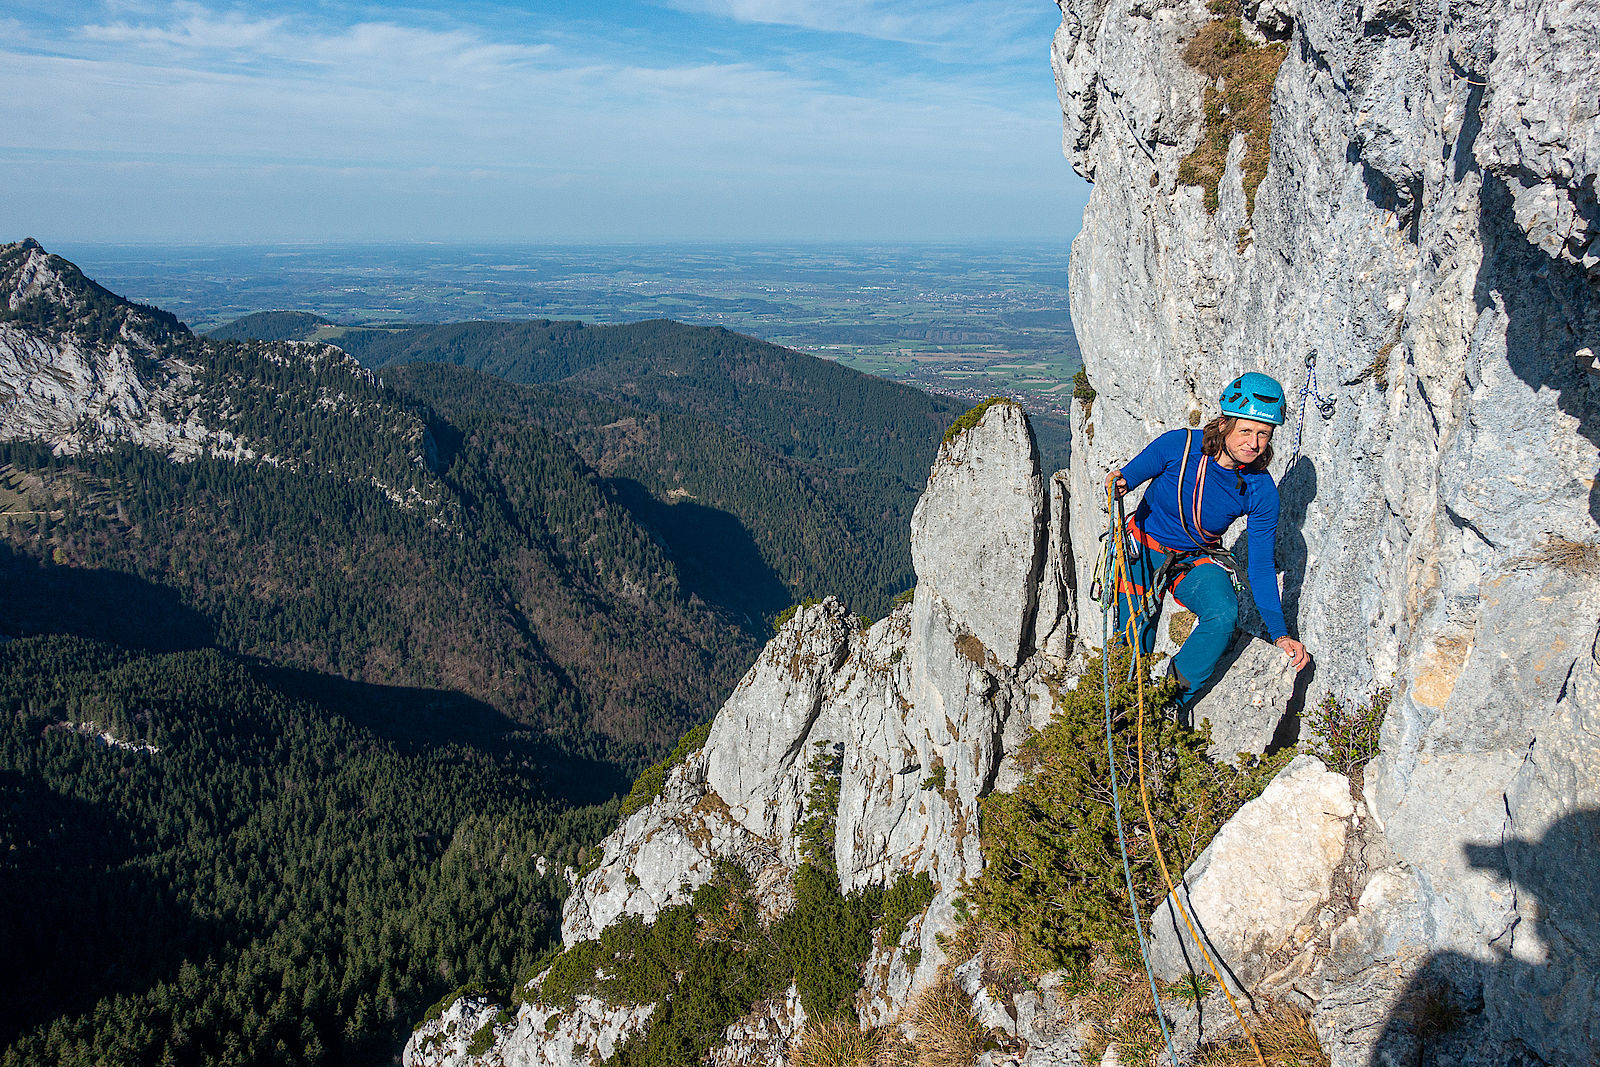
240,871
748,528
371,539
798,405
306,678
772,476
271,326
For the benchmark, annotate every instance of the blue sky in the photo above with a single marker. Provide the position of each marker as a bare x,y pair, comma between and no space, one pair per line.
695,120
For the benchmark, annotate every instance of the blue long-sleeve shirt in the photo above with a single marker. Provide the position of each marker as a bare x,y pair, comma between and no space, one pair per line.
1227,495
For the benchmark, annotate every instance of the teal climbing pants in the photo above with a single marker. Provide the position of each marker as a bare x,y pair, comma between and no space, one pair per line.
1207,590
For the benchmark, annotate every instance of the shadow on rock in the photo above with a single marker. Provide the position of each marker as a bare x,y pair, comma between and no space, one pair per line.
1535,1000
1552,309
1295,493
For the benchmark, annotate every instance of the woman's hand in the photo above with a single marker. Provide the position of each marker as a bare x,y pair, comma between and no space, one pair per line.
1116,482
1295,651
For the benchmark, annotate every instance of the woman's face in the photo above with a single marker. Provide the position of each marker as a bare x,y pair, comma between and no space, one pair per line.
1246,441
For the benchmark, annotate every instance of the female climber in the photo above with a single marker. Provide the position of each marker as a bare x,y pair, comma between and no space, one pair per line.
1204,480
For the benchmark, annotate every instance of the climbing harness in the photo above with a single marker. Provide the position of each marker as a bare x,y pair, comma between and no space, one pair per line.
1116,553
1177,562
1309,392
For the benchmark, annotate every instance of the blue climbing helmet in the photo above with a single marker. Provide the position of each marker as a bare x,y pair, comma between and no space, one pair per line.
1254,396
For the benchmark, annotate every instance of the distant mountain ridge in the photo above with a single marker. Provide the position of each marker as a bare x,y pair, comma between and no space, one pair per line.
819,464
754,387
322,520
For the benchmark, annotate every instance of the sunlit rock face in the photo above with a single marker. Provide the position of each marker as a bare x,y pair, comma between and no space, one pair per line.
83,370
1426,226
74,392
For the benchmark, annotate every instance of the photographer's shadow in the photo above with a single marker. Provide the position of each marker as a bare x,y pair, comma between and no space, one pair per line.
1536,1000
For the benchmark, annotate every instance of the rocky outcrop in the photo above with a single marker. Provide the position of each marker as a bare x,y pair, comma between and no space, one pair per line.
82,369
986,479
80,392
916,712
472,1030
1255,890
1251,701
1426,226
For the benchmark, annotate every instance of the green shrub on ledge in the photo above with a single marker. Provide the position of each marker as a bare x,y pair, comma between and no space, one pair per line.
1053,869
704,964
971,418
651,780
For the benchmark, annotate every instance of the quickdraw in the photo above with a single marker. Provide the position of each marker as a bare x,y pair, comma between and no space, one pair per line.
1309,392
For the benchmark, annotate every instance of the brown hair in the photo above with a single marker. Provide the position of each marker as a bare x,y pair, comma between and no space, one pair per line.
1216,430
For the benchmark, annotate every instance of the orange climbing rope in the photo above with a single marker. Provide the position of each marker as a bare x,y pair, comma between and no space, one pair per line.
1130,633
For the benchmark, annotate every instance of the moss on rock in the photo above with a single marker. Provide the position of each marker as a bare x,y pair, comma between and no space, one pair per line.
1240,75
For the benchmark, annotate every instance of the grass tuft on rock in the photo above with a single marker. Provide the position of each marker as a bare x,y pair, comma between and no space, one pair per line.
1238,100
1563,553
971,418
1284,1034
1082,390
838,1043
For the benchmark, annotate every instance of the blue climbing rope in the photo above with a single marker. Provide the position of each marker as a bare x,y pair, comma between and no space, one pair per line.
1109,604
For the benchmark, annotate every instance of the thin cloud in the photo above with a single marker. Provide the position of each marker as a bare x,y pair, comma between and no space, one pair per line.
979,29
586,126
193,28
196,36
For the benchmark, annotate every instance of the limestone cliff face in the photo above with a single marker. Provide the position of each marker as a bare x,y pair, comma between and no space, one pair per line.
81,369
76,392
1426,225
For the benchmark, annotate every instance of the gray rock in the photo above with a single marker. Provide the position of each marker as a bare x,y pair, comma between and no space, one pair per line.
1540,134
975,535
1426,226
1056,623
537,1036
1268,870
768,1034
1249,699
761,745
